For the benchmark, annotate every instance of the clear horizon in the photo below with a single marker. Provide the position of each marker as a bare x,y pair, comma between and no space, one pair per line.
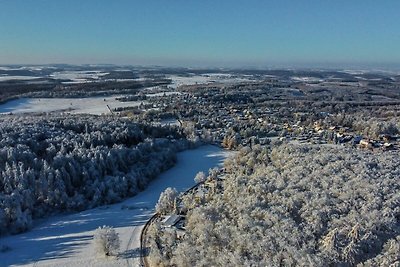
257,34
395,68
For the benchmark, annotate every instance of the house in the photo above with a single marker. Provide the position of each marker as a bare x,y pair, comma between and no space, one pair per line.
180,233
357,139
171,220
366,144
388,146
200,194
347,138
386,138
264,141
211,184
318,128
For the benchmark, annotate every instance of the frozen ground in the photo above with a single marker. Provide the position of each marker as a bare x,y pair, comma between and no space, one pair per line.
67,240
89,105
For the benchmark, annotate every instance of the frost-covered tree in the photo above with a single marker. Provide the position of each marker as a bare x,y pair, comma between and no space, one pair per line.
106,240
200,177
167,201
294,205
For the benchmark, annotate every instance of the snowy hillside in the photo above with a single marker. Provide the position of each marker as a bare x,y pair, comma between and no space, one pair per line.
67,240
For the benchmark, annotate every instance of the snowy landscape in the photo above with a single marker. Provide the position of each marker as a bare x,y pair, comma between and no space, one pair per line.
67,240
88,105
199,133
205,78
84,147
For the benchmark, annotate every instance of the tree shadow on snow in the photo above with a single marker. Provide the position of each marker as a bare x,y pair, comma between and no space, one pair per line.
48,248
130,254
63,236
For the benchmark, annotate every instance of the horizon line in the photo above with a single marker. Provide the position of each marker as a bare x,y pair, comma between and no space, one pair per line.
328,66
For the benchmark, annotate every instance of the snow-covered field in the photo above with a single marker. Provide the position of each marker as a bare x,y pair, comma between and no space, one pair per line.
204,78
89,105
306,79
181,80
163,94
67,240
12,78
170,122
78,76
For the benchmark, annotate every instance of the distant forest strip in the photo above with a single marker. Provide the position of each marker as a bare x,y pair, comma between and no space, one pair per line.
54,88
294,205
56,163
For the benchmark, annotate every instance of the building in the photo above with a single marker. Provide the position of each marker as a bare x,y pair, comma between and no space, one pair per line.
171,220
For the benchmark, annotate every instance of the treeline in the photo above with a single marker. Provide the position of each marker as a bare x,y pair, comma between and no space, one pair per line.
55,163
293,206
13,89
48,88
99,88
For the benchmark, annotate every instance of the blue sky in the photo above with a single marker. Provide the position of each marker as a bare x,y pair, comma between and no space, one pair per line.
202,32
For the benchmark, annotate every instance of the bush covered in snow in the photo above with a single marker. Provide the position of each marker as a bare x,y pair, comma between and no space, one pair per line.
106,240
294,206
55,163
200,177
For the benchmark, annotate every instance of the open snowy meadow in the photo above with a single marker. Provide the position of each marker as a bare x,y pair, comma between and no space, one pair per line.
89,105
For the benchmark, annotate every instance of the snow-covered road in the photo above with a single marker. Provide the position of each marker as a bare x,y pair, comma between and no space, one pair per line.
67,240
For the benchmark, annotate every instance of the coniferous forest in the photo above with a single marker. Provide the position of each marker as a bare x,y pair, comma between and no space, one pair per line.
52,164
